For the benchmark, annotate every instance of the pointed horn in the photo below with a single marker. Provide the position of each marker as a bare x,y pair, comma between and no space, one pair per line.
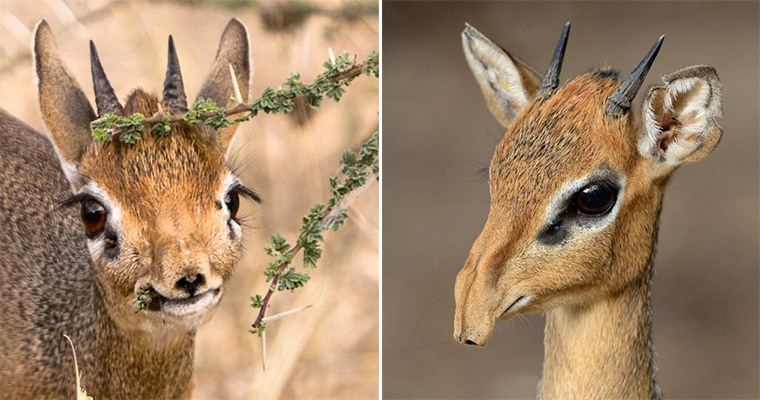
174,89
105,97
619,103
551,79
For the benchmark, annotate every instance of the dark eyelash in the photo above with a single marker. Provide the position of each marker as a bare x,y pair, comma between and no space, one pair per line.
77,199
246,192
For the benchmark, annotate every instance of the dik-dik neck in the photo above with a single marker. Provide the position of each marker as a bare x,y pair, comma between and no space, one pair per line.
137,364
603,349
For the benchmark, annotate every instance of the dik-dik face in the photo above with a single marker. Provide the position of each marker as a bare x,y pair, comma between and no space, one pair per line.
576,183
159,214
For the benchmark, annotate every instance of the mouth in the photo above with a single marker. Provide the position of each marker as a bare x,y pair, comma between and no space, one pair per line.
516,305
185,306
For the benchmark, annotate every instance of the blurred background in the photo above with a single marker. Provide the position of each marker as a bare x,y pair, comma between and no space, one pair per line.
331,349
438,133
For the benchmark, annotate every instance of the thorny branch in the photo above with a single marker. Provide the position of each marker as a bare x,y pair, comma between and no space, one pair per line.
331,213
340,72
360,171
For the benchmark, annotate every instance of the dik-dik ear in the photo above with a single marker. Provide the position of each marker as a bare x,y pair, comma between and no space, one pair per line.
679,117
234,50
507,83
65,109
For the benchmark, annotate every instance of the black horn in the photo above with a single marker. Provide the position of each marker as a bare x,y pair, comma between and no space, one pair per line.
105,97
551,79
174,89
619,103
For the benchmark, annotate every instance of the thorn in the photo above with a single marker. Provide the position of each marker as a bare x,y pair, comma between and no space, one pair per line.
264,350
283,315
332,55
238,96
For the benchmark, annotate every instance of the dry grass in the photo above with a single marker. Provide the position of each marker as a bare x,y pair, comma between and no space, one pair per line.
331,349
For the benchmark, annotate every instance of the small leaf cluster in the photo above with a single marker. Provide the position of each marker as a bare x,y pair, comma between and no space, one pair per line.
292,280
144,297
310,235
373,65
258,330
131,127
162,128
257,301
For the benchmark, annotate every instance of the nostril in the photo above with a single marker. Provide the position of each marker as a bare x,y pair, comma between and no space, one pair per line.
190,283
470,342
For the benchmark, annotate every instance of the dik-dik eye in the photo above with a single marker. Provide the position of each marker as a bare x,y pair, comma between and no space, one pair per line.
596,198
232,200
93,216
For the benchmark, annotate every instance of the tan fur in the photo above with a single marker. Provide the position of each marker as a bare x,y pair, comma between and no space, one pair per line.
164,197
595,286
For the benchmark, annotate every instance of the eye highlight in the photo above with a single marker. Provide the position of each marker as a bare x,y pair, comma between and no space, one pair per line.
94,216
596,198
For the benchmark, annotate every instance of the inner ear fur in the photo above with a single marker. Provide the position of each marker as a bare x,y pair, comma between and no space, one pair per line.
507,83
65,109
234,50
679,117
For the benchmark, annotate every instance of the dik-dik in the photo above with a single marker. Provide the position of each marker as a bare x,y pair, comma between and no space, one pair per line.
576,190
85,226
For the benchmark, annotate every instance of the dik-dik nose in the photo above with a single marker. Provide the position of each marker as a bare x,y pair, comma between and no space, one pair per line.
190,284
463,338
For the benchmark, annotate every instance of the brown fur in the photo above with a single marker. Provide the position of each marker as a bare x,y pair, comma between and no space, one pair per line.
171,226
594,285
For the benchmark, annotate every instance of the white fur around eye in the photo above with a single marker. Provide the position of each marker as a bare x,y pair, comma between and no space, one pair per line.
96,245
563,197
230,181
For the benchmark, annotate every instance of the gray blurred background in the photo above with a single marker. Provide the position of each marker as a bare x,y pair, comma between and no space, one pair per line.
330,351
437,134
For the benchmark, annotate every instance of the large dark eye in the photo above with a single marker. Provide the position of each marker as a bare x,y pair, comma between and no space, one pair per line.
232,200
93,216
596,198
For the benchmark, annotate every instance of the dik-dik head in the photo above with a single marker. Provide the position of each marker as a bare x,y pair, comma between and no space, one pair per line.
576,183
161,213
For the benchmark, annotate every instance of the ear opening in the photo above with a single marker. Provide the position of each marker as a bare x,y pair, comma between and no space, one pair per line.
679,117
233,55
507,83
65,109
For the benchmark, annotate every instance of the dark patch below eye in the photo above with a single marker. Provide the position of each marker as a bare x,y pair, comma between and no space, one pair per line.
553,234
111,244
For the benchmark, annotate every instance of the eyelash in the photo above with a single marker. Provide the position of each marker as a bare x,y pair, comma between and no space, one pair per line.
77,199
246,192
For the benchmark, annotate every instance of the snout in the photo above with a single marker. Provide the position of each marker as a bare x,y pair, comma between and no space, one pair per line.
474,319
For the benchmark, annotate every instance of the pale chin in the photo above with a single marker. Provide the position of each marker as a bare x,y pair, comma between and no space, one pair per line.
187,314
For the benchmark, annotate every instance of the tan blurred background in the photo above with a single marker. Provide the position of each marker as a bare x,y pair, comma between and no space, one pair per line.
330,350
437,134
